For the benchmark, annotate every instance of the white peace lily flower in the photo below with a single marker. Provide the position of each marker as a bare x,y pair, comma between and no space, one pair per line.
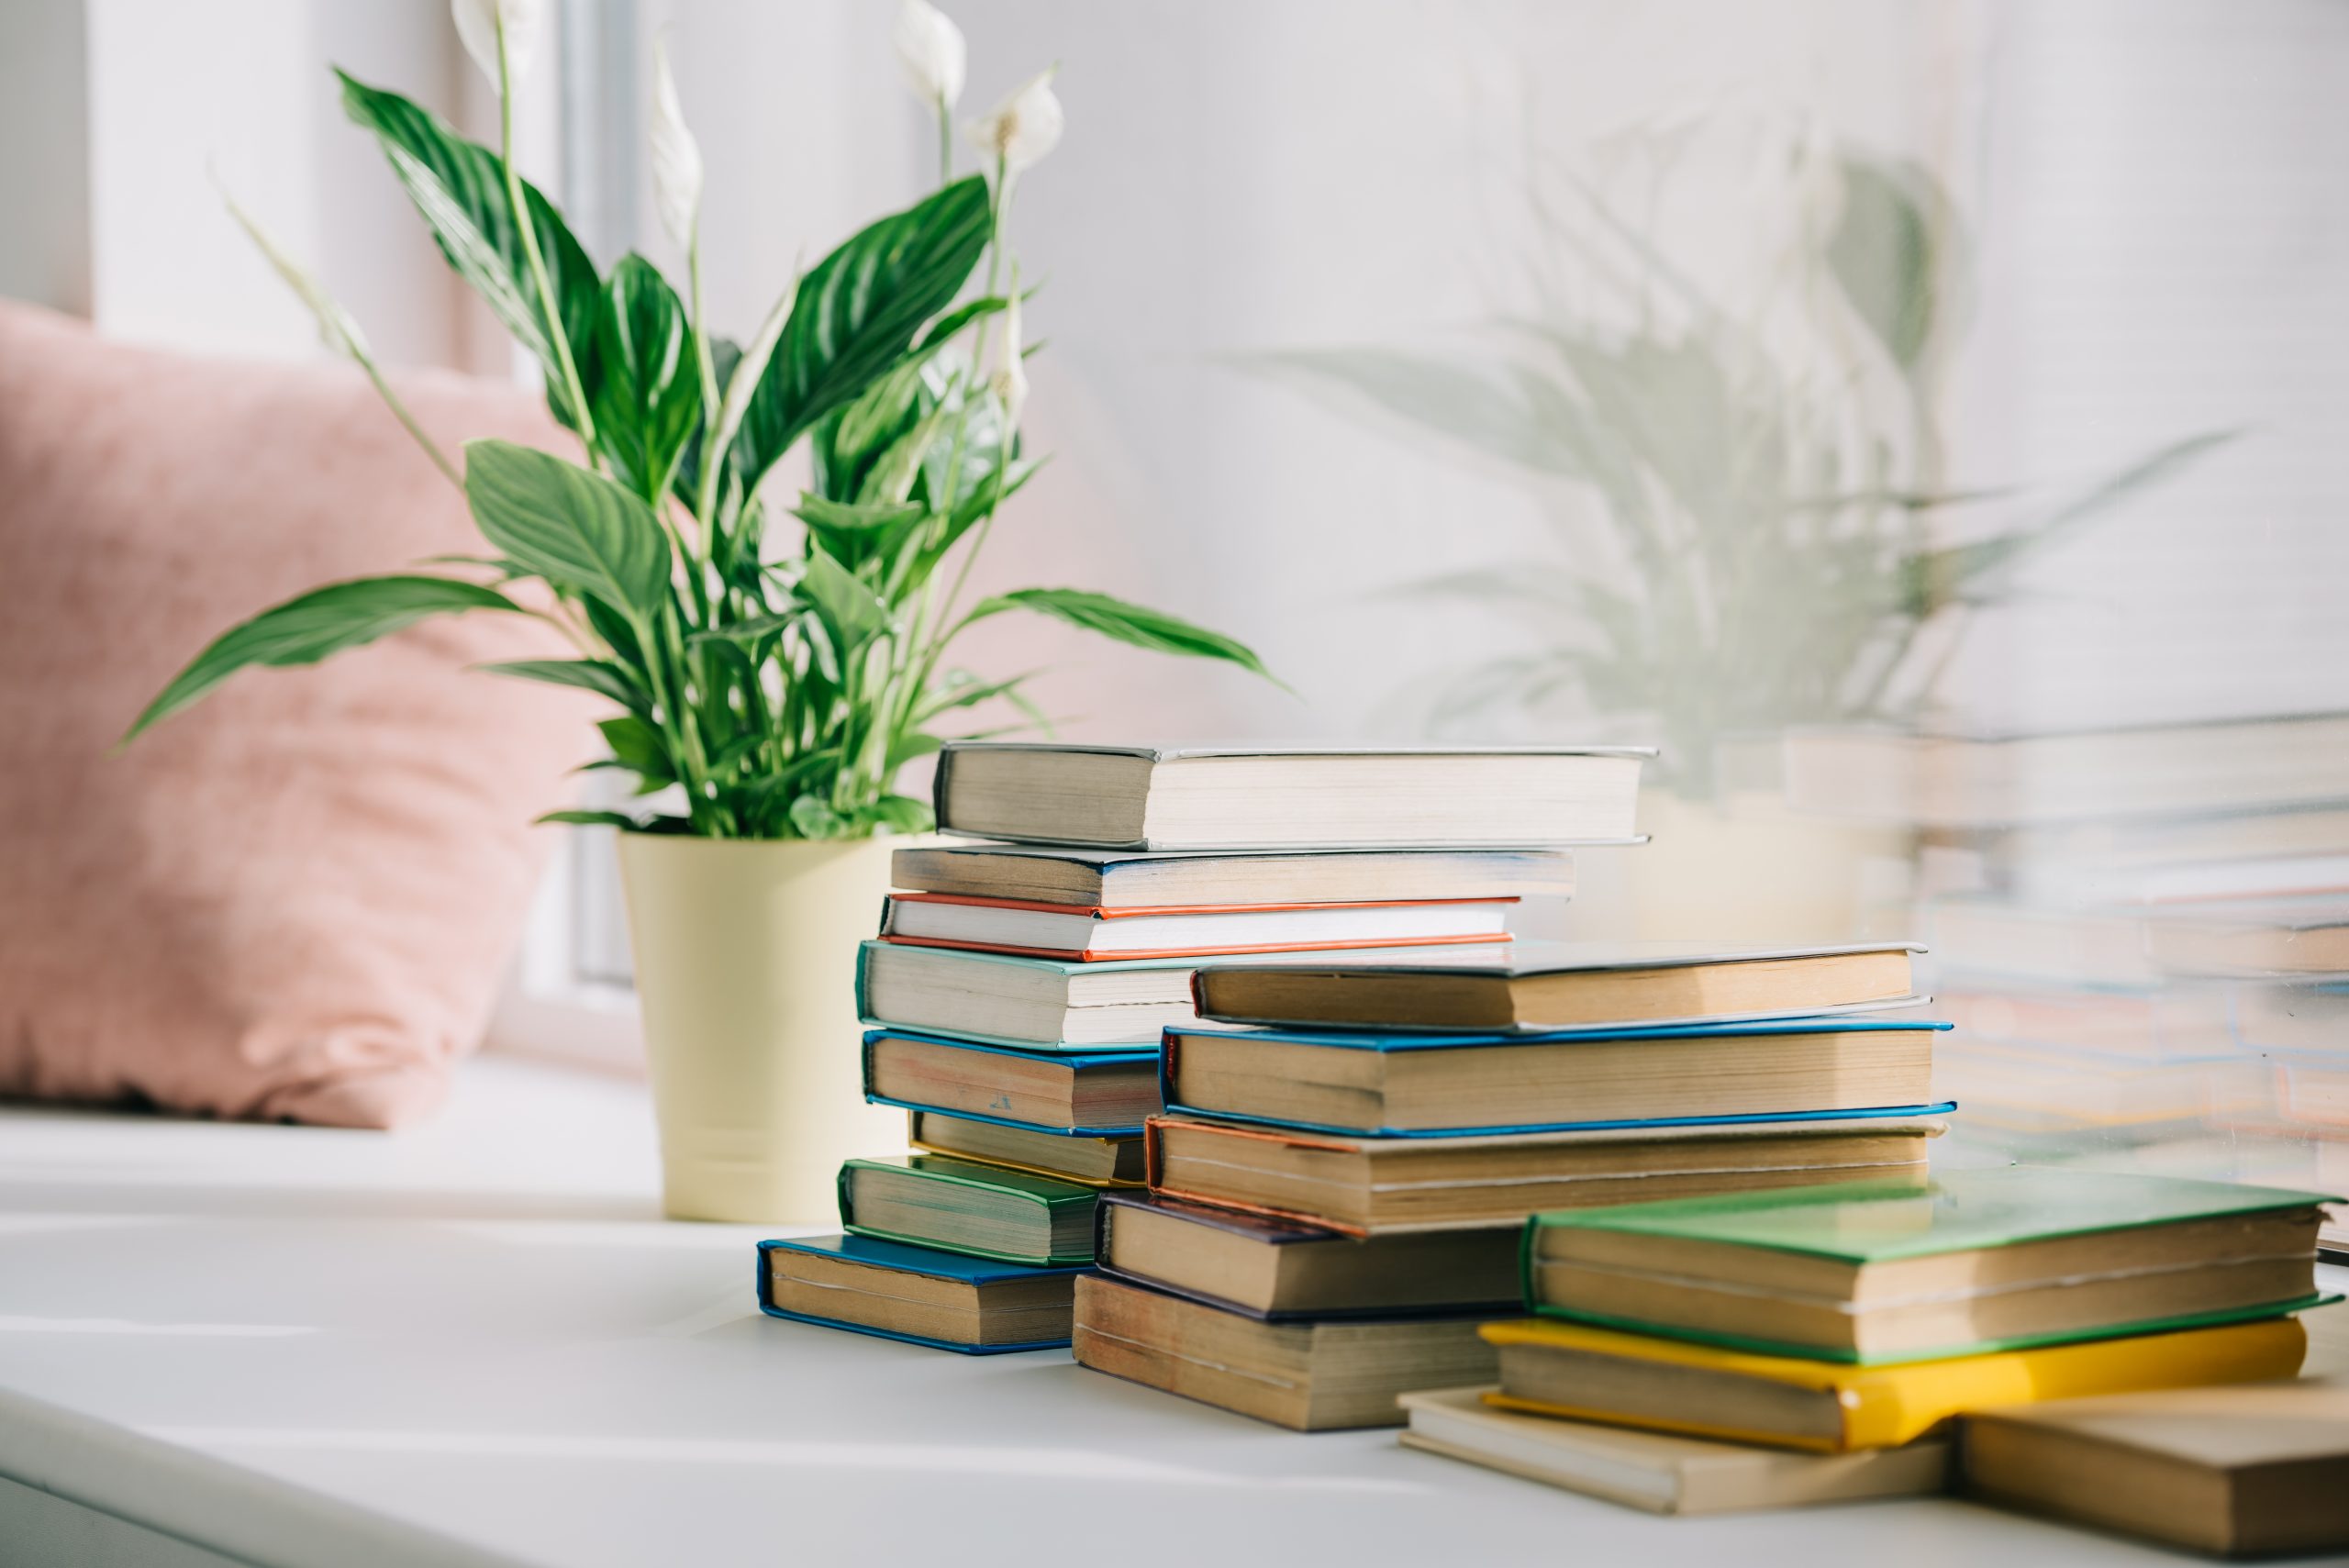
1024,127
931,49
1009,382
677,157
477,25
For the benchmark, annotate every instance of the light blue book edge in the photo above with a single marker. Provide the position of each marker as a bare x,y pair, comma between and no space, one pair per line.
1868,1113
1368,1040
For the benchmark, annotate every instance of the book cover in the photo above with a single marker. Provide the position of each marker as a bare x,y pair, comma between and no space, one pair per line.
922,1141
1171,1052
2256,1471
1884,1405
1958,1211
1074,1059
1050,1193
1098,918
1272,1231
1660,1474
875,1252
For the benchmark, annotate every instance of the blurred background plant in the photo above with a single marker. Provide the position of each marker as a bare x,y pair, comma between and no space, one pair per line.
1734,442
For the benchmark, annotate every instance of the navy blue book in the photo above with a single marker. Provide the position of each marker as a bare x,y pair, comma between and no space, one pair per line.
919,1294
1405,1085
1096,1094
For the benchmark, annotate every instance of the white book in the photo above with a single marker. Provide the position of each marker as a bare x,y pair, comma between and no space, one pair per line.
1046,931
1050,1004
1659,1472
1200,797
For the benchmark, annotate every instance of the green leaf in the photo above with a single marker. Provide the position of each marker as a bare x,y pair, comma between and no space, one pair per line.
963,689
1985,566
639,747
1135,624
1882,253
749,630
882,411
857,314
899,813
460,188
309,627
1435,395
577,529
907,746
846,605
601,676
647,398
814,817
591,819
856,532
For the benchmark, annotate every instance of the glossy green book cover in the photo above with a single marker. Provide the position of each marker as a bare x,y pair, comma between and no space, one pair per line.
952,1176
1956,1211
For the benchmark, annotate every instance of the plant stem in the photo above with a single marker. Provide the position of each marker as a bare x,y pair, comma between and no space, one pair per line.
945,143
908,695
407,420
574,392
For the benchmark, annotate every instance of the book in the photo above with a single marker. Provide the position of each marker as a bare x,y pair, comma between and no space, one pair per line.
1113,1161
987,1211
915,1293
1100,1093
1954,781
1390,1085
2149,1025
1053,930
1976,1261
2150,859
1278,1269
1151,798
2259,1469
1045,1003
1364,1186
1309,1376
1127,879
1660,1474
1553,986
1589,1374
2144,946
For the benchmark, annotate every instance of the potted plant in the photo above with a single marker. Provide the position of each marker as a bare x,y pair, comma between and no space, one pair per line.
772,687
1721,394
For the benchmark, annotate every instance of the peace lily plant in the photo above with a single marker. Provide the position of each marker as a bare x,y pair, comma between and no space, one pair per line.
782,689
776,684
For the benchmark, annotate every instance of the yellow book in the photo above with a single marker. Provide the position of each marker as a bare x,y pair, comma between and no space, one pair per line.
1553,1368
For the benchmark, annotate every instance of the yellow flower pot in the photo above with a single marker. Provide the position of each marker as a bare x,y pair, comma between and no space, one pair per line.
746,966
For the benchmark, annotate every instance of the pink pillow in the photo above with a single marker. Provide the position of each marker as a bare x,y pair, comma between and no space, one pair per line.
292,901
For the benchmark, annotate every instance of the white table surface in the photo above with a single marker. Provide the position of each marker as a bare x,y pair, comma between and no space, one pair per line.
477,1343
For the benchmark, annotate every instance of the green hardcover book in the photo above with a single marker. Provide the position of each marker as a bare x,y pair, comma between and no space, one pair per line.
1972,1261
985,1211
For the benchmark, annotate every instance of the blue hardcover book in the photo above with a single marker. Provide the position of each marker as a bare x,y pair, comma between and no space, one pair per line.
922,1295
1459,1085
1092,1093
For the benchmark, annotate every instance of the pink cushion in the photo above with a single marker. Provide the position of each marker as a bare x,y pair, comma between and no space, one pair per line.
292,901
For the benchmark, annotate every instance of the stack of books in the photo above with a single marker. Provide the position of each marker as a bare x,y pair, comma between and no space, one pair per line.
1019,986
1339,1184
1814,1345
2142,933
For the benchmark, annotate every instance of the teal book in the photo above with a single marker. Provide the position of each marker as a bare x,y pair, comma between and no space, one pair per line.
1965,1262
919,1294
960,1205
